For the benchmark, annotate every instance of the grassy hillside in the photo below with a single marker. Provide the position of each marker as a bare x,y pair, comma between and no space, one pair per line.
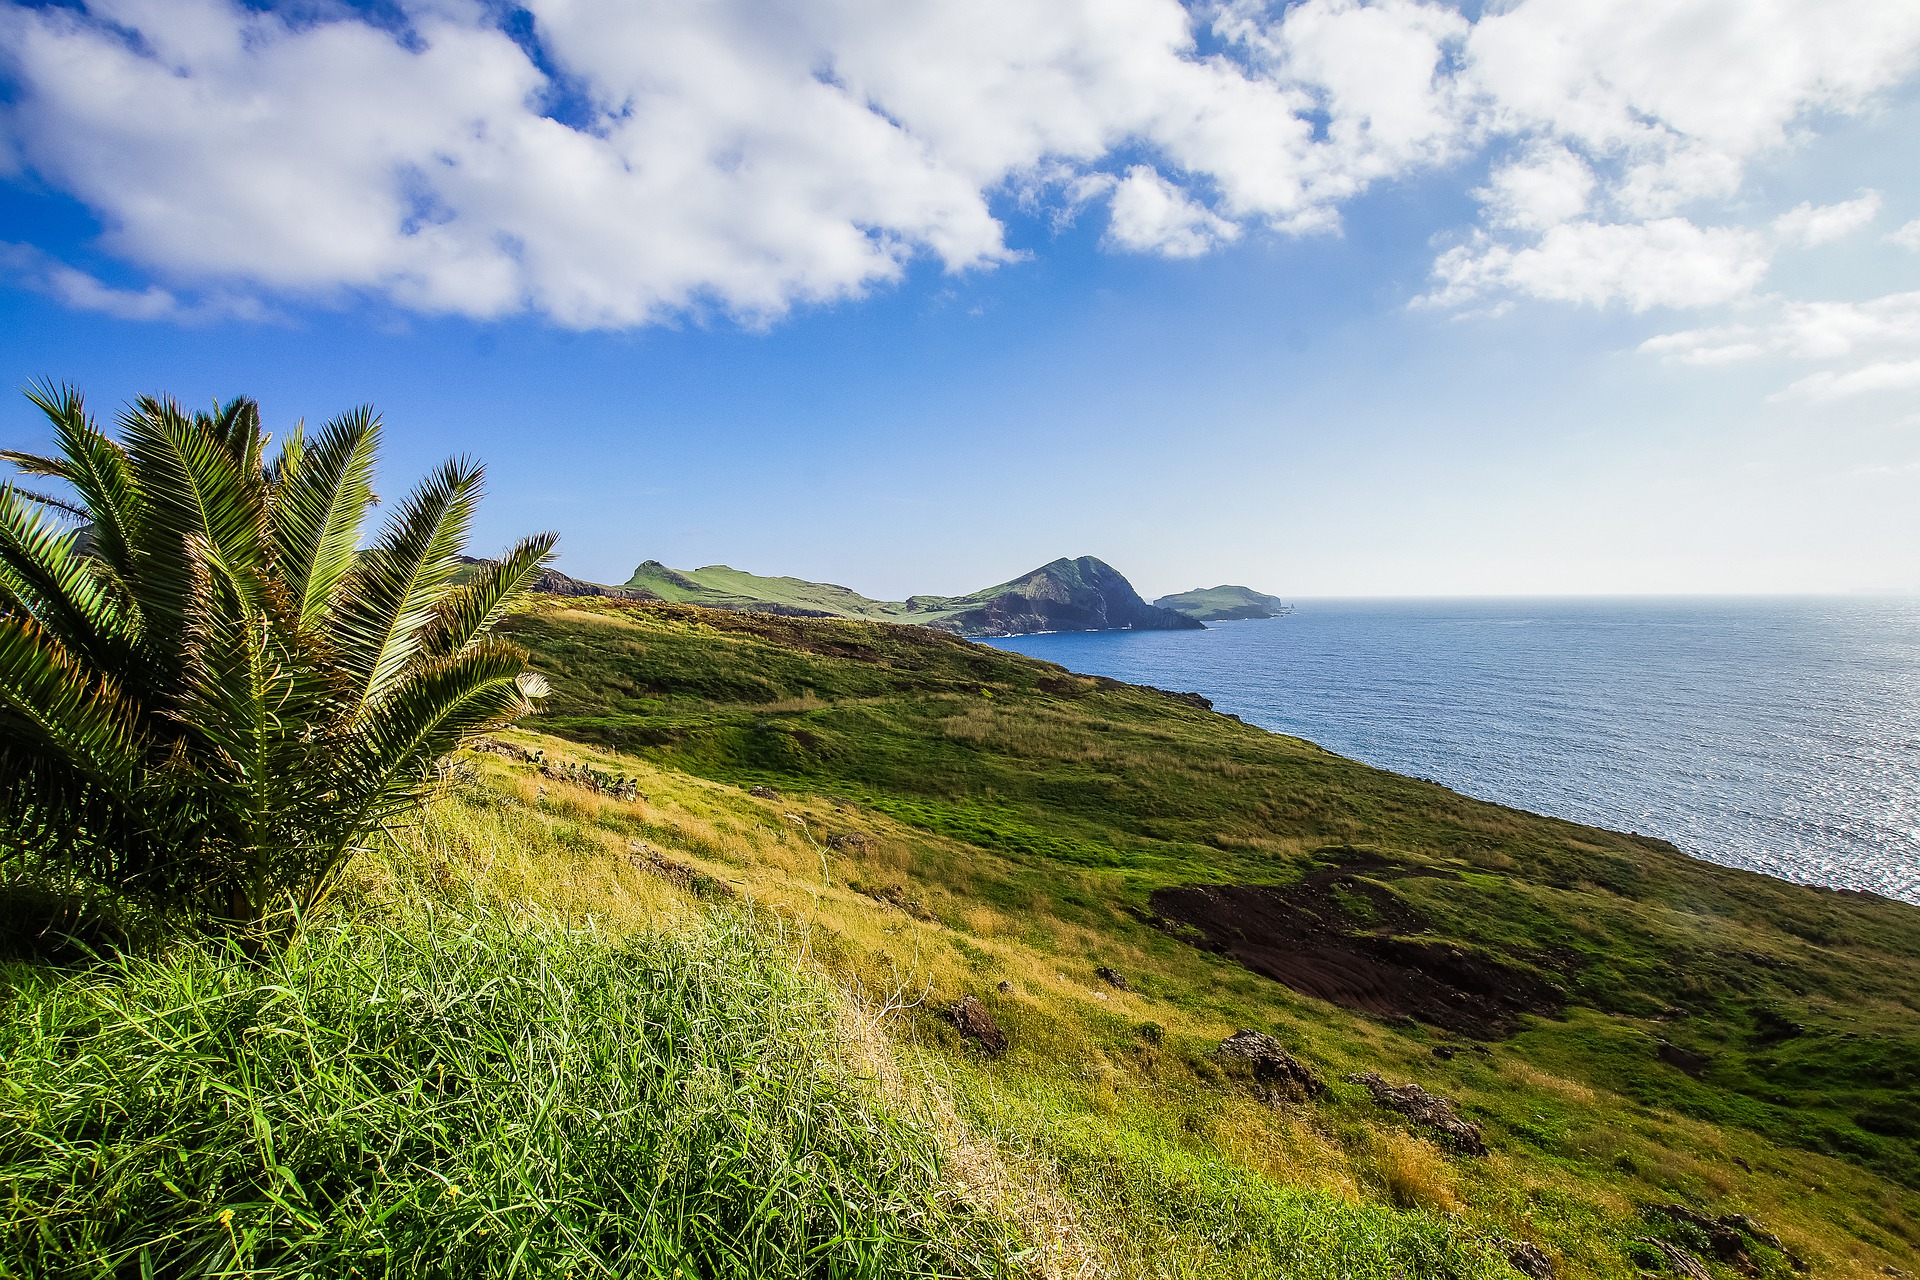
1223,604
718,586
1063,594
1629,1026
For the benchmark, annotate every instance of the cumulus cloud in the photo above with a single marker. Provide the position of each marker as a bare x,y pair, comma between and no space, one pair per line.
1812,224
1667,262
1151,215
1908,236
1875,345
609,163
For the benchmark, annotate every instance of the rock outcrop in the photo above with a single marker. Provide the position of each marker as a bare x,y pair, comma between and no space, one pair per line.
973,1021
1066,595
1278,1075
1427,1110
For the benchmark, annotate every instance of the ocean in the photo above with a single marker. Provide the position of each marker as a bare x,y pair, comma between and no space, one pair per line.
1780,735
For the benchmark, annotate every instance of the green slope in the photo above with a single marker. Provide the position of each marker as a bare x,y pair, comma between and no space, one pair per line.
1084,593
1771,1018
1223,604
718,586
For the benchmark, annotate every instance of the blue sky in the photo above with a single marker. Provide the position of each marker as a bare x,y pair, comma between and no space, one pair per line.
1468,334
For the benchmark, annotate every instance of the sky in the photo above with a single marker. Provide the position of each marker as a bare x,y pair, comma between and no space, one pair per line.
1332,298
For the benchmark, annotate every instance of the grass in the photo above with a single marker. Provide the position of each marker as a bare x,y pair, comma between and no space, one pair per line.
432,1092
1017,819
697,1031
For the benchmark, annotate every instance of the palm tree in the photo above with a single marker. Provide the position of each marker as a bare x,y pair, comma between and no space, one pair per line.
210,697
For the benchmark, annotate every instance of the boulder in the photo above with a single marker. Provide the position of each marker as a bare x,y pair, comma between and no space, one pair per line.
977,1025
1113,978
1526,1257
1678,1260
1427,1110
1279,1074
763,792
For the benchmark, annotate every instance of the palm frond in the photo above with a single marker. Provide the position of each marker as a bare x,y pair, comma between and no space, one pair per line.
321,491
470,611
63,709
99,472
191,486
392,595
43,577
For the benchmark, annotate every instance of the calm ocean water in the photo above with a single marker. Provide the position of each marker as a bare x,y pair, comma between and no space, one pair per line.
1782,735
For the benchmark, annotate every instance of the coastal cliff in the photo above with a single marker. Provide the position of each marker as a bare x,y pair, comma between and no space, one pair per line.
1083,594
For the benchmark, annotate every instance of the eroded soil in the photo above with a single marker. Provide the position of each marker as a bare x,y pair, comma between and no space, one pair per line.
1341,935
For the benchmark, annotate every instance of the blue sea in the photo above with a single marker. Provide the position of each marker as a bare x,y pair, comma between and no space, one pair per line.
1780,735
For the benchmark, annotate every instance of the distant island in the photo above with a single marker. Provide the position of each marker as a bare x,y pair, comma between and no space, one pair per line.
1084,594
1225,604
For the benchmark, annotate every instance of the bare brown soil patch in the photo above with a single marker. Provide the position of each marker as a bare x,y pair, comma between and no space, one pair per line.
1340,935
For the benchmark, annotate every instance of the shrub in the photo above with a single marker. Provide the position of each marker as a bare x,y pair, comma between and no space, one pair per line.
208,696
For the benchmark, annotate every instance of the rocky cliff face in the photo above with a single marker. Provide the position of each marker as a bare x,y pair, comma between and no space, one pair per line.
1067,595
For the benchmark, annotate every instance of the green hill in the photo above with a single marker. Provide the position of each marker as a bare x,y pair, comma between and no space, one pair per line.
1659,1053
1224,604
1065,595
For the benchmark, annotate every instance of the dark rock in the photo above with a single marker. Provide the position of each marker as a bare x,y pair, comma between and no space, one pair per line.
1280,1075
975,1023
1066,595
763,792
1113,978
1678,1260
1006,988
1342,934
1727,1235
852,841
1526,1257
1429,1111
653,862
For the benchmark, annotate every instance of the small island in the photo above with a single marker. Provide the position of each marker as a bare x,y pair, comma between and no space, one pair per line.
1224,604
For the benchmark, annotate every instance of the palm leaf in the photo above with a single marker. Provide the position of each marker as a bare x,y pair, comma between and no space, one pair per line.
470,611
322,490
392,595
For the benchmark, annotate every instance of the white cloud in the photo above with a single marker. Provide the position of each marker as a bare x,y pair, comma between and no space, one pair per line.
1811,224
1548,186
1667,262
1151,215
1882,375
1874,344
745,156
1907,237
35,270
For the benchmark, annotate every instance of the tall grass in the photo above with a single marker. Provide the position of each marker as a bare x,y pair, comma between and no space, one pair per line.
461,1094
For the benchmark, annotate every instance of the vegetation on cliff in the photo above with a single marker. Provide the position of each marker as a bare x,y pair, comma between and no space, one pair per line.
1063,595
1224,604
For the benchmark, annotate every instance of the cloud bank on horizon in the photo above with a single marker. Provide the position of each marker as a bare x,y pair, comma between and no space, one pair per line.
610,164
